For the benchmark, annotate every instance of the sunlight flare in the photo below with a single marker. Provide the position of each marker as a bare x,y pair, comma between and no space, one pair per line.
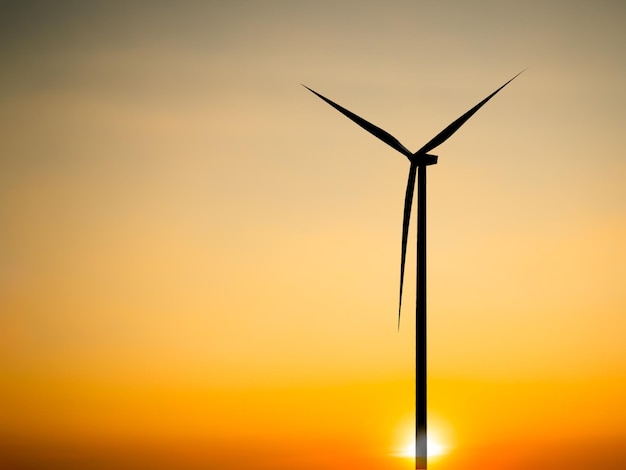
436,447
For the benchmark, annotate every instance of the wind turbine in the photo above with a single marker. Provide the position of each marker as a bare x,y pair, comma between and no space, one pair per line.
418,163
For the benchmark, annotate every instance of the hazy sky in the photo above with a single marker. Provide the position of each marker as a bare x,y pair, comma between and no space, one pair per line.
197,252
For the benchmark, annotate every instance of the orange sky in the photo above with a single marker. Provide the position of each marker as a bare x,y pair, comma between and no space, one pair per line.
200,260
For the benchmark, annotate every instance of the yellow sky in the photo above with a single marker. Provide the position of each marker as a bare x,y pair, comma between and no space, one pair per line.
199,260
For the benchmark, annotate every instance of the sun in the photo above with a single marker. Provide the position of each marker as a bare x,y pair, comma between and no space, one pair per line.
435,447
440,439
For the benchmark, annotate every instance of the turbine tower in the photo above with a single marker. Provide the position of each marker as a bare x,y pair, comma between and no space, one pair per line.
418,163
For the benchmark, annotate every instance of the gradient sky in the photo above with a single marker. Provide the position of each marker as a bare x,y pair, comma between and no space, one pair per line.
199,259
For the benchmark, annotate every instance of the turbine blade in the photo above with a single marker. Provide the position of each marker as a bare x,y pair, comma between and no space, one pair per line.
452,128
408,201
383,135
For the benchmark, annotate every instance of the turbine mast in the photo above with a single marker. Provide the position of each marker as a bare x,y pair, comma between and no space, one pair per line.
421,448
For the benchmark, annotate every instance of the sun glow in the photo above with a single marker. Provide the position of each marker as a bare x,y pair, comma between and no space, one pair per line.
435,447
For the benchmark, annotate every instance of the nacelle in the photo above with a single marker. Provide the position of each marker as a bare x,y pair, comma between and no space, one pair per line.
430,159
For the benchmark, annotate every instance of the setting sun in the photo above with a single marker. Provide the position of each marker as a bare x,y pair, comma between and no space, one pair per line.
436,447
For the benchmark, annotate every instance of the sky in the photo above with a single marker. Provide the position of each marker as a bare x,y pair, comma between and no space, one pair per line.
199,259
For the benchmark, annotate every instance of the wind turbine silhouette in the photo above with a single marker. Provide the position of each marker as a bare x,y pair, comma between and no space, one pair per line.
418,163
